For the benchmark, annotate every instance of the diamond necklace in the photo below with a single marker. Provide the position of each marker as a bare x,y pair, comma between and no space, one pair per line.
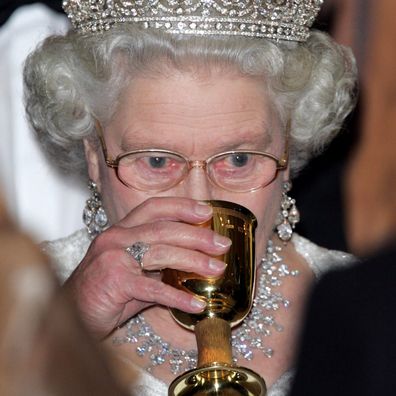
247,339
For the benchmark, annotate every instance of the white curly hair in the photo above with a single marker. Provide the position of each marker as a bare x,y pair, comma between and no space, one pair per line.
71,79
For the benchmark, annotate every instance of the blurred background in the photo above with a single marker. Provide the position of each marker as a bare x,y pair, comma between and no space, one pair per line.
347,196
44,203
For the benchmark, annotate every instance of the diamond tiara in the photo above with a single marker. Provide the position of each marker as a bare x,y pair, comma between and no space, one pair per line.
275,19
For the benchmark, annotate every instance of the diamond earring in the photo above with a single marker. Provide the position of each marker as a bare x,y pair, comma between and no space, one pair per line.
289,215
94,216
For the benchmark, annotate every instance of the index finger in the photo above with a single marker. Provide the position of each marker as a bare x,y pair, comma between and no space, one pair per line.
168,208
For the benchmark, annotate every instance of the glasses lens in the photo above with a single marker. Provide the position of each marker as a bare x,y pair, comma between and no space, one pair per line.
152,170
242,171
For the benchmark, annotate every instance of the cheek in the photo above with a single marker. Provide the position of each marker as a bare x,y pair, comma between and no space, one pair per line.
265,205
118,200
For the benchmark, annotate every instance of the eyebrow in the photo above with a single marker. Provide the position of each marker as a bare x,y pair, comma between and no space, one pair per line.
259,138
139,142
249,140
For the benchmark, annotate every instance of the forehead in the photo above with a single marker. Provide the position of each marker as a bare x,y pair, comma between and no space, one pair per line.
185,112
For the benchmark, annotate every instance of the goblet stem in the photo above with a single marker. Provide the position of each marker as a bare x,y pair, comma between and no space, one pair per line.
213,341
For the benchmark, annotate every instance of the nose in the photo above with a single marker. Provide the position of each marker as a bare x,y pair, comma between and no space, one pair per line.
196,185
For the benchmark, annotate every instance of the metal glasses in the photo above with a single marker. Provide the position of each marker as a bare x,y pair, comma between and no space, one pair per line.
159,170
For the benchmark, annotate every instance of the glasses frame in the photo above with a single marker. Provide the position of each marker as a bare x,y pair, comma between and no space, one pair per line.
281,163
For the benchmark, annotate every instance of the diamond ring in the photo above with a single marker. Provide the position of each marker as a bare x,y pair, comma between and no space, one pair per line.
137,251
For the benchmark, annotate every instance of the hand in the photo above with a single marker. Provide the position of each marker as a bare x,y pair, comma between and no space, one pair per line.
109,286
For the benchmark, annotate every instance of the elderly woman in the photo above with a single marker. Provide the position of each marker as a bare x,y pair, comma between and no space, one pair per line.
167,105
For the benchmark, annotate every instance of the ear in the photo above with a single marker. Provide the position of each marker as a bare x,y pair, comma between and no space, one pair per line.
92,158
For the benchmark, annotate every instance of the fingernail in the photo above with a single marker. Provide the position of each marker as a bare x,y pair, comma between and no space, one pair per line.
221,241
217,265
203,209
199,304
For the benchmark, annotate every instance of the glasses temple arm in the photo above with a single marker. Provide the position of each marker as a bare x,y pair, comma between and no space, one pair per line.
282,163
99,132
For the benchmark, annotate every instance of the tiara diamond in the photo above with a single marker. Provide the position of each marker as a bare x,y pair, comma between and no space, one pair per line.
274,19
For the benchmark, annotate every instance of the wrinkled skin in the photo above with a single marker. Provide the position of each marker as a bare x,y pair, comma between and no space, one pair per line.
198,117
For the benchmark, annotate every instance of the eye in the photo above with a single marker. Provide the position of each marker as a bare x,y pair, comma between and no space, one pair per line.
157,162
239,159
233,164
160,163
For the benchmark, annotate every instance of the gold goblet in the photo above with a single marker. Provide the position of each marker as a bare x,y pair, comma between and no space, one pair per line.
229,299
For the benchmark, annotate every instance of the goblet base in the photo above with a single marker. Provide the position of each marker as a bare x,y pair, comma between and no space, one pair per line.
218,380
